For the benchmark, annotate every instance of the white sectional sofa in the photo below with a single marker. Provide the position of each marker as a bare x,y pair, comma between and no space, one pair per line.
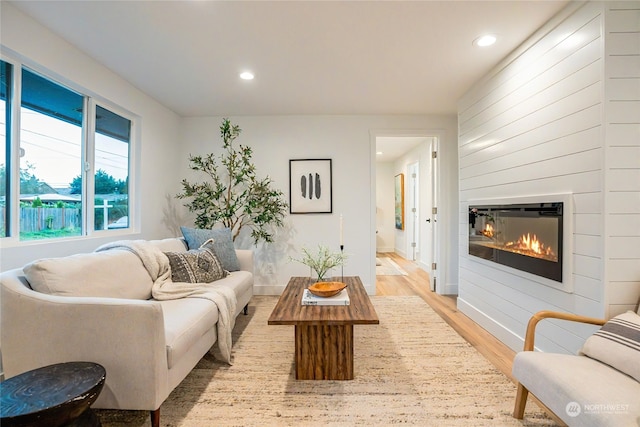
98,307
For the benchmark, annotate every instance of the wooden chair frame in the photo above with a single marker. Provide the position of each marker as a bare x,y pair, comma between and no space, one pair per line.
529,344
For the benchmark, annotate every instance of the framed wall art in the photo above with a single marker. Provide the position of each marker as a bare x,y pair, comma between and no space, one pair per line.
399,205
310,186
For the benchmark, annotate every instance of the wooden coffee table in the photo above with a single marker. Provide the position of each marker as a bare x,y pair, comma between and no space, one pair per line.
323,334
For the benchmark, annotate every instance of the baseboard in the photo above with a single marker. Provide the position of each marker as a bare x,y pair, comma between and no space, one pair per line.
449,289
268,289
506,336
384,250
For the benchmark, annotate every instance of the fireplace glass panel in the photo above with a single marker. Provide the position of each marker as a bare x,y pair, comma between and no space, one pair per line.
527,237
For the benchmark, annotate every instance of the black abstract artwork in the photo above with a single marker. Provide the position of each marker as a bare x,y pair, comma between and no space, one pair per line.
310,186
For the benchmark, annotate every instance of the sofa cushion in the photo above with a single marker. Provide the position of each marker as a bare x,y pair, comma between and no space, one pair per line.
186,320
195,266
617,344
172,244
580,390
112,274
222,244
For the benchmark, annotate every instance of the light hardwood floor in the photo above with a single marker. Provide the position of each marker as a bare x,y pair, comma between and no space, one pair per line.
417,283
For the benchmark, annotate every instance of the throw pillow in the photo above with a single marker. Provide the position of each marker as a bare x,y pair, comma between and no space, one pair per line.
617,344
195,266
108,274
222,244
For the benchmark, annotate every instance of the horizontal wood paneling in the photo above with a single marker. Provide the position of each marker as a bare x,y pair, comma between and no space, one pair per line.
623,43
589,223
545,76
620,270
587,203
559,127
626,157
561,117
623,202
536,127
622,142
484,93
623,16
623,134
622,90
623,225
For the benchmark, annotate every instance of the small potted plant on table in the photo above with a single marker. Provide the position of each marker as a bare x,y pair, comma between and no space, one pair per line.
321,261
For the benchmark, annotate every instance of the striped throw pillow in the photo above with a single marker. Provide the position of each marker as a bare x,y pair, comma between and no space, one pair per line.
617,344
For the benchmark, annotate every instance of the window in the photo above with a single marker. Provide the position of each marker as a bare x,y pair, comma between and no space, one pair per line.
5,124
112,170
51,138
73,161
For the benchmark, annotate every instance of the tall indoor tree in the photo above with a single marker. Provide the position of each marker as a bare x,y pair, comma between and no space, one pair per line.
233,195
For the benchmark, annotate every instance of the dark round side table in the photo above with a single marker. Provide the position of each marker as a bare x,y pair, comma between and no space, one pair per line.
52,396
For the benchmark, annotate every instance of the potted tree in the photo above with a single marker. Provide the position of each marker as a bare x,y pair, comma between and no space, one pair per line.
233,195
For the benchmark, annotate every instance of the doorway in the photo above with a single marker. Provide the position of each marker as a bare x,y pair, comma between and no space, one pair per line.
411,155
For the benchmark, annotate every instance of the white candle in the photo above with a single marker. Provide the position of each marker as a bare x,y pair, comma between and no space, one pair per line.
341,231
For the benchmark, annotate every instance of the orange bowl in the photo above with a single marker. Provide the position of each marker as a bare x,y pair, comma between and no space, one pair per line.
327,289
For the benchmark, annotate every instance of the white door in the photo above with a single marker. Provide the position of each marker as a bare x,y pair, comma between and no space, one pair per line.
412,214
431,229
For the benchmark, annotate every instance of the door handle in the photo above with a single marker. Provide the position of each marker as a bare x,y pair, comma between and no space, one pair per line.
428,219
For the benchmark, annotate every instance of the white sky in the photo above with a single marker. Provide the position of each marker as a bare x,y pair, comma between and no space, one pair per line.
53,148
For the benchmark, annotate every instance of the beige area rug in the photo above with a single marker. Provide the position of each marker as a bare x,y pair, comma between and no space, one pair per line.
388,267
412,369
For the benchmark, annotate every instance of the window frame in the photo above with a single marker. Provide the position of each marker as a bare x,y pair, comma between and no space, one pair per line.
90,101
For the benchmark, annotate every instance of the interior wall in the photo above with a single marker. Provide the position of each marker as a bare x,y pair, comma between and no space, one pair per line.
350,142
420,154
622,155
534,127
385,207
32,43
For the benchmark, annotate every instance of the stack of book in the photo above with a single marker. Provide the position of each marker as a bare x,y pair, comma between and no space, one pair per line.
310,299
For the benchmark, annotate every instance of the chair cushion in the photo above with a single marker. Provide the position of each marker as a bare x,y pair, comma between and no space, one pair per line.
579,390
617,344
111,274
222,244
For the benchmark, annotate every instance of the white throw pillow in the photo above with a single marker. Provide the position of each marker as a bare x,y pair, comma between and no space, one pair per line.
112,274
617,344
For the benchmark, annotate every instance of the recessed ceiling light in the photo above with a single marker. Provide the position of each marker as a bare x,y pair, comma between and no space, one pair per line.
379,153
246,75
486,40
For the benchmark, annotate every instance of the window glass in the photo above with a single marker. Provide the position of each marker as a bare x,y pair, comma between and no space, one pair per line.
112,170
50,159
5,126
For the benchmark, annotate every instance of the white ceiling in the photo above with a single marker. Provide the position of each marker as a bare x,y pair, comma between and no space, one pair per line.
390,148
309,57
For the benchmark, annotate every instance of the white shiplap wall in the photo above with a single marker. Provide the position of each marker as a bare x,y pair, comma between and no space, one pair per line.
535,126
622,145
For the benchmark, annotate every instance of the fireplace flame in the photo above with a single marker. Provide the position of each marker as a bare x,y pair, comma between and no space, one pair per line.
529,244
488,230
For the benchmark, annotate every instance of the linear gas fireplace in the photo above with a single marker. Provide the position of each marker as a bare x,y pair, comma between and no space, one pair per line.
524,236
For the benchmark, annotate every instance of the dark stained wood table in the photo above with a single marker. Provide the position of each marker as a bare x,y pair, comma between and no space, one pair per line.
323,334
52,396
